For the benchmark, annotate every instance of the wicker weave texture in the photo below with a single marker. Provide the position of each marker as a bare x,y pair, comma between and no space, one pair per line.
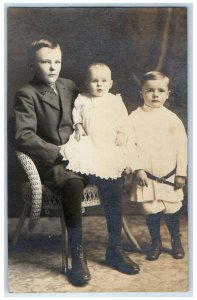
40,197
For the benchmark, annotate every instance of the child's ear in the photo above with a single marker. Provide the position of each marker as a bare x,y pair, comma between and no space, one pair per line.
169,92
140,93
111,83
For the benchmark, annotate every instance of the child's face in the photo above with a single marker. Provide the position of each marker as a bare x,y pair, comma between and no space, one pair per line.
47,64
155,92
99,81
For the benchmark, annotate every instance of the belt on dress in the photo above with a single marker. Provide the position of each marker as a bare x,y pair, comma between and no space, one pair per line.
162,179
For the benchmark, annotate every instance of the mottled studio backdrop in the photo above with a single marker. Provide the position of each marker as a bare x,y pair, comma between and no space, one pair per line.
130,40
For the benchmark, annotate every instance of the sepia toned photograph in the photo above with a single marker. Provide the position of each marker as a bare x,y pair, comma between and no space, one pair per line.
97,147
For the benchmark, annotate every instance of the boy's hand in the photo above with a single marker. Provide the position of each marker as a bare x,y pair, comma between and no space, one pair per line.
179,182
120,139
63,152
141,178
79,131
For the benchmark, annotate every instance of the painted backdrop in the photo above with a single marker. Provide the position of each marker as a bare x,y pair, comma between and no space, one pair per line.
130,40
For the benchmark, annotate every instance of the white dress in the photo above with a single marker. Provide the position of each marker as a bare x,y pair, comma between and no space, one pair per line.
162,144
97,153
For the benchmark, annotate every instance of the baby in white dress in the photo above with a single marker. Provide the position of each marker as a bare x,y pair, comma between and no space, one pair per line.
99,144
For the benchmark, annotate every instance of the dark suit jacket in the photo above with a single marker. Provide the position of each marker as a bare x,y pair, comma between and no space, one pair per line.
43,121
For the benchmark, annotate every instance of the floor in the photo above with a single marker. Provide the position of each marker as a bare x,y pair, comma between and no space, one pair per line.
34,264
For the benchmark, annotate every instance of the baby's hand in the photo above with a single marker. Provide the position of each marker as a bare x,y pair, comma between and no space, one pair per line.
127,171
141,178
120,139
179,182
79,131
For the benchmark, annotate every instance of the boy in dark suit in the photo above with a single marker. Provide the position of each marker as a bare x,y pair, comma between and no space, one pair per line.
43,122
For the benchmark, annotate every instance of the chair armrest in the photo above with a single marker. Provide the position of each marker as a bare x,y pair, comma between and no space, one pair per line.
36,187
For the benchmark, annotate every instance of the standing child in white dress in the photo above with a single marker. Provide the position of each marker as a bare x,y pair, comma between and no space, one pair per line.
162,145
98,148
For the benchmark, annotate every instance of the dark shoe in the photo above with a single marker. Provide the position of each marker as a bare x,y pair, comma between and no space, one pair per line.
177,249
117,259
155,250
79,274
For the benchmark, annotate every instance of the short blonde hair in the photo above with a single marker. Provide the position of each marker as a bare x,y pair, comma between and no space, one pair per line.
36,45
154,75
97,65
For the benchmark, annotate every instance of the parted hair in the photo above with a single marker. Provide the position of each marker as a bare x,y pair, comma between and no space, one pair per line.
36,45
154,75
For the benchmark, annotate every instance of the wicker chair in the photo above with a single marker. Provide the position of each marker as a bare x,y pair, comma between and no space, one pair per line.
39,197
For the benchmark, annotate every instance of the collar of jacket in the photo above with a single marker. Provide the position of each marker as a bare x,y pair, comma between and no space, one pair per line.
49,96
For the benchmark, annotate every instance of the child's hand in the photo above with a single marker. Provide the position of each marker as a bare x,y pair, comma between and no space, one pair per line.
127,171
120,139
127,183
141,178
63,152
79,131
179,182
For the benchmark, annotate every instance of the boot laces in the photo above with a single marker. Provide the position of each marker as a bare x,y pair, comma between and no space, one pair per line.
80,252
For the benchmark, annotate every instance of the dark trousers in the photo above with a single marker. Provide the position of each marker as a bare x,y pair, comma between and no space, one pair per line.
172,222
110,195
72,197
70,185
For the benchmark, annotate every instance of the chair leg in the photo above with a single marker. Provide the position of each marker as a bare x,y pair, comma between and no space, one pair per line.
20,223
130,235
64,243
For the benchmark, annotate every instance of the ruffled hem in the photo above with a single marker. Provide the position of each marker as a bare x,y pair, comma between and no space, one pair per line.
86,158
104,173
102,176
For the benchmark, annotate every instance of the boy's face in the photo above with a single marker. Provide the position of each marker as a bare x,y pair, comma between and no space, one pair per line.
99,81
155,92
47,64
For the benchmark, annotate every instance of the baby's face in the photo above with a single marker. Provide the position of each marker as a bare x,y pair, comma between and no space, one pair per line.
47,64
155,92
99,81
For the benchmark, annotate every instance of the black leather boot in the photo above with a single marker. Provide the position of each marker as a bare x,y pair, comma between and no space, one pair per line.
79,274
153,223
71,202
173,224
177,249
117,259
155,250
